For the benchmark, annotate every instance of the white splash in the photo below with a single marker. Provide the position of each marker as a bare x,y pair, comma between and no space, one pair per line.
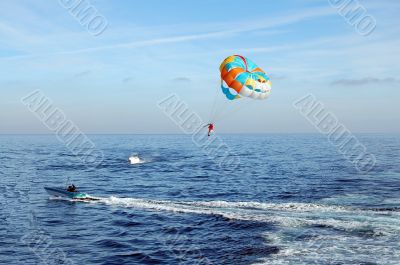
135,159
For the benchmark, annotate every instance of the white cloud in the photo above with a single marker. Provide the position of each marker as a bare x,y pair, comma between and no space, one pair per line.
225,30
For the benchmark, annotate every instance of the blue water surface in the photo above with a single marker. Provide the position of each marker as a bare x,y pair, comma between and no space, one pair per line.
293,199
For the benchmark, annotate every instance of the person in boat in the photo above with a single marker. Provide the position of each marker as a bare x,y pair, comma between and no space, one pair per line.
71,188
210,128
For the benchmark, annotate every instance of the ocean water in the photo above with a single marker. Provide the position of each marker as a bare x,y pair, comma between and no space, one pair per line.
294,199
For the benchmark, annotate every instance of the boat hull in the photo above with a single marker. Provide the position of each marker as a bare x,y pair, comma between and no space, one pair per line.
58,192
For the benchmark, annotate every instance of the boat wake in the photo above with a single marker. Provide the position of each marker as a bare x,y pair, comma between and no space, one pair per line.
282,214
304,232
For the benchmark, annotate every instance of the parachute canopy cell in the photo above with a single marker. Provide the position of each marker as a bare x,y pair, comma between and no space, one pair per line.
240,77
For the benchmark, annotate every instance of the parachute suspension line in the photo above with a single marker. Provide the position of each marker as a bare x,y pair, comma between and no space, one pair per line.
214,106
242,104
220,104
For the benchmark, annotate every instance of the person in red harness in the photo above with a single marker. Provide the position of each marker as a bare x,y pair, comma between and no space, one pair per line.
210,128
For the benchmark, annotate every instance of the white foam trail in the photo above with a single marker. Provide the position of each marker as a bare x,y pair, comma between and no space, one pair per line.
324,248
285,214
300,237
299,207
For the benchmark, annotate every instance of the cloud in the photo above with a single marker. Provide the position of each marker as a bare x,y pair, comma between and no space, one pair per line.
126,79
182,80
242,27
84,73
228,29
366,81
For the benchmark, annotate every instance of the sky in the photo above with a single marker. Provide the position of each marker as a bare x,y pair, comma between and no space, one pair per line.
111,82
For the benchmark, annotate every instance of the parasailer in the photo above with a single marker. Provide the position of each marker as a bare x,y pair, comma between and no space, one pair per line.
240,78
210,128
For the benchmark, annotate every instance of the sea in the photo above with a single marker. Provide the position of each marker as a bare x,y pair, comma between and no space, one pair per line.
289,199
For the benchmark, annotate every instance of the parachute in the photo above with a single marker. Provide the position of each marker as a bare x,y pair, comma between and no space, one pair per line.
240,77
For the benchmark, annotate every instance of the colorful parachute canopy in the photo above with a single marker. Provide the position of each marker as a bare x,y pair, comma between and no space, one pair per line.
242,77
